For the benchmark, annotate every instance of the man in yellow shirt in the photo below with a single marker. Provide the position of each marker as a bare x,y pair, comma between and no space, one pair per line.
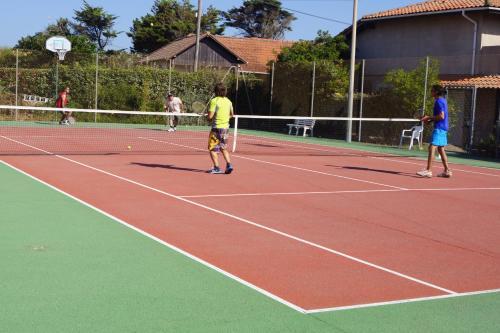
219,113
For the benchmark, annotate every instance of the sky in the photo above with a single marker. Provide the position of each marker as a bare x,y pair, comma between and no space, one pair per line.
18,19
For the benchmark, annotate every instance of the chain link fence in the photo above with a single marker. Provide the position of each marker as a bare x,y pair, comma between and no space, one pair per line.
386,87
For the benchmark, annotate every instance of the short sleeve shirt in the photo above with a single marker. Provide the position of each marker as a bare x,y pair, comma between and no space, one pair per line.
174,105
441,105
62,100
221,107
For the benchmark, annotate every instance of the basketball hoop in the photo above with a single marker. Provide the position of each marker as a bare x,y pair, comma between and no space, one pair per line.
59,45
61,54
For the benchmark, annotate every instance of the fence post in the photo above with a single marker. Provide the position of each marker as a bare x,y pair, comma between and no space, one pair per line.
313,87
352,70
474,103
361,98
169,75
272,90
237,73
96,83
426,83
17,79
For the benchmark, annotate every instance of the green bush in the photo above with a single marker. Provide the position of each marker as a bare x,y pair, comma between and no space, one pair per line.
134,86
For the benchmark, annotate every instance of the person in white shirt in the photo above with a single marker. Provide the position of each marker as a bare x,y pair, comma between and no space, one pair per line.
173,104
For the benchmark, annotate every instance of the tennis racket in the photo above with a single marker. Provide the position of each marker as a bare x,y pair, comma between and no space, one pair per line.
198,107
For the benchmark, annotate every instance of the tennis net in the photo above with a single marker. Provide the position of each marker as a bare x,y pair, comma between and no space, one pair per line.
313,135
36,130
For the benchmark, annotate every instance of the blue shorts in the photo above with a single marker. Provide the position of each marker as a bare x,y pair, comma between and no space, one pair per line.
439,137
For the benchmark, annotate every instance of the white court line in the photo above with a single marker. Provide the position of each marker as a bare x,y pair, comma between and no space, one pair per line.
335,149
453,169
338,192
240,219
172,247
285,165
403,301
284,193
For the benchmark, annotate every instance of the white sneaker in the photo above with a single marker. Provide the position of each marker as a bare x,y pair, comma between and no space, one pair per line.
425,173
445,174
171,129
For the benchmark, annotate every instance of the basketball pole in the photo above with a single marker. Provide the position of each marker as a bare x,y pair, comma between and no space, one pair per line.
352,70
57,76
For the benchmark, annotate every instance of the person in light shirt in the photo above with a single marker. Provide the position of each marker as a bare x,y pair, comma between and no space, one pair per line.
173,105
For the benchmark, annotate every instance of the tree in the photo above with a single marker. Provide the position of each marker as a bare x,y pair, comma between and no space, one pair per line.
323,47
408,86
96,24
260,18
170,20
79,44
332,74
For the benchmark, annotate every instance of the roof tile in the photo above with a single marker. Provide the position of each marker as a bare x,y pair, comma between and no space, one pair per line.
434,6
485,82
255,52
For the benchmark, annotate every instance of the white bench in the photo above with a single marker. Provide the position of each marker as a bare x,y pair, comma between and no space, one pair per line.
33,99
304,124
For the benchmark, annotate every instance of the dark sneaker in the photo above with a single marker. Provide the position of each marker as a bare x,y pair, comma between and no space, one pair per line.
215,171
229,169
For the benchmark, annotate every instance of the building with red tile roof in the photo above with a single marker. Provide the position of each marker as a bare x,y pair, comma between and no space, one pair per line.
435,7
250,54
462,35
468,82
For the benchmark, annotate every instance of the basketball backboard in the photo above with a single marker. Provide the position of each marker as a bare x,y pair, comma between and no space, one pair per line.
59,45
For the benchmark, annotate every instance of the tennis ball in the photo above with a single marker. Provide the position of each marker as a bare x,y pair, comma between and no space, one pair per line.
129,147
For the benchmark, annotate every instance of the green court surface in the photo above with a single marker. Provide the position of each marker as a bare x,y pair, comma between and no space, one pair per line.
68,268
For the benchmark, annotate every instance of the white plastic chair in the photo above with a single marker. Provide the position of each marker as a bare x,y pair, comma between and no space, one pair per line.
412,134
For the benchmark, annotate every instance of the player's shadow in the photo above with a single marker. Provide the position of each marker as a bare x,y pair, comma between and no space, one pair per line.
375,170
166,166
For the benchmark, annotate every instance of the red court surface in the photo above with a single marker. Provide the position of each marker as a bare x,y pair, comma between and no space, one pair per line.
321,231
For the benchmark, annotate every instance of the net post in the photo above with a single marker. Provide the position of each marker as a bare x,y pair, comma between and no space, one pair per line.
235,135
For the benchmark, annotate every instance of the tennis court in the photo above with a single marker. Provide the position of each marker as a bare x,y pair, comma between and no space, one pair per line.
304,236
